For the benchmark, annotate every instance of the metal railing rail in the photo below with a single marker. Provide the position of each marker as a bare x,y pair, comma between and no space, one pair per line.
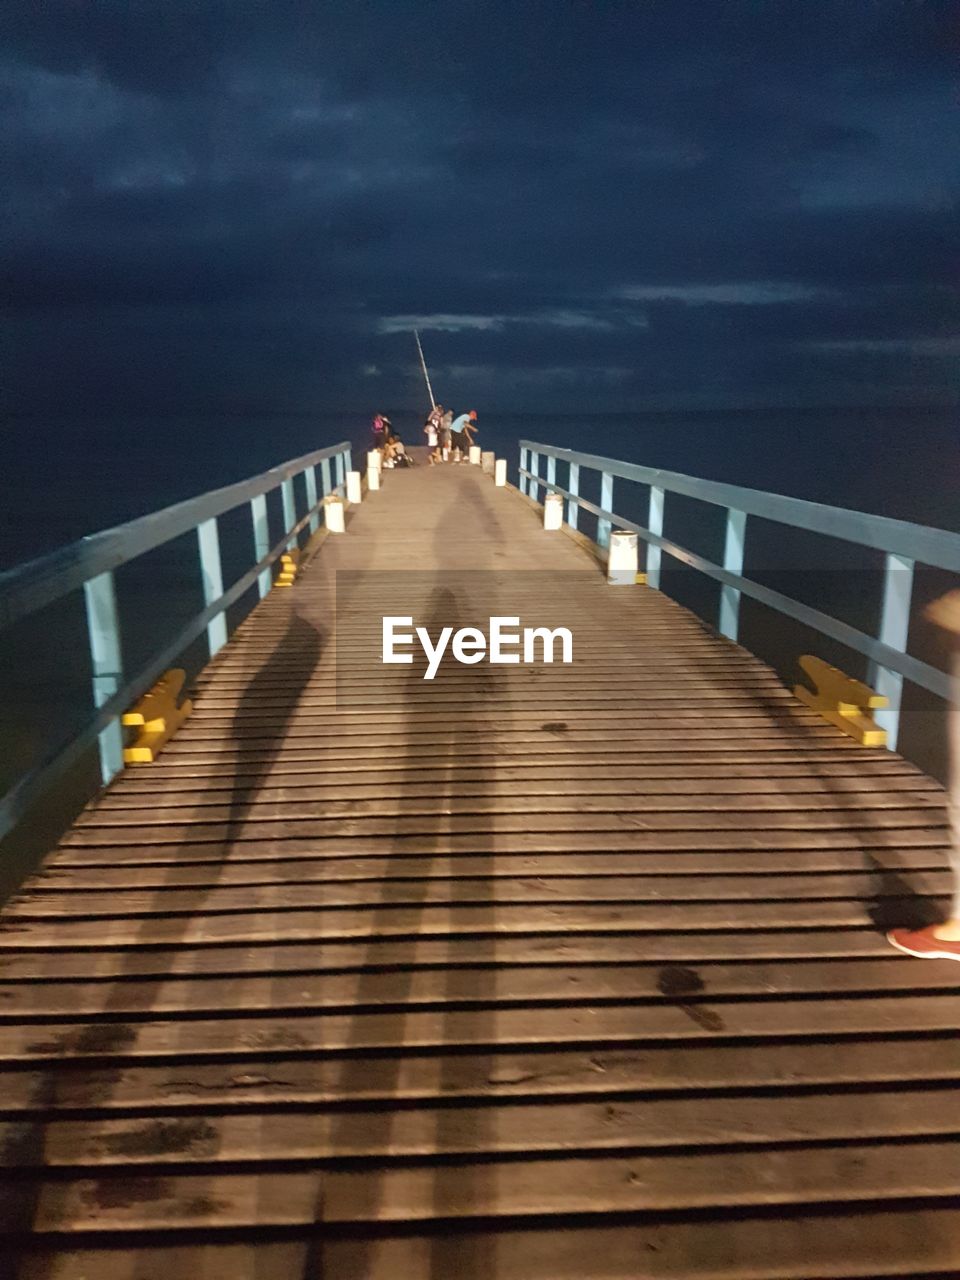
90,564
903,543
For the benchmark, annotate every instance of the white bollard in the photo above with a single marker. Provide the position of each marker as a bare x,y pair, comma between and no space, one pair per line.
475,455
374,459
354,492
333,516
622,562
500,473
487,460
553,511
373,479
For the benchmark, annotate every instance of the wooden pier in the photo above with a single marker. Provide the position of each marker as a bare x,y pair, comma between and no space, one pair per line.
525,973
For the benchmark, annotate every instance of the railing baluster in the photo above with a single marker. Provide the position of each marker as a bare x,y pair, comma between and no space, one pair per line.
534,490
341,476
606,504
733,563
551,469
524,466
325,476
573,487
212,576
310,480
894,631
103,629
348,460
289,509
261,539
655,525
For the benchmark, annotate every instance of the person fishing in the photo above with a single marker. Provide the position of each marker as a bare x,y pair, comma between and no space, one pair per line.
431,429
462,431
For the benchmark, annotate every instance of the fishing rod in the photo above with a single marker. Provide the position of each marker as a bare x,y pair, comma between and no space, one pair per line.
423,365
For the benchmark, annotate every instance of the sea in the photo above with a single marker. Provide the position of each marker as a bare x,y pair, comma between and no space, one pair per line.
65,477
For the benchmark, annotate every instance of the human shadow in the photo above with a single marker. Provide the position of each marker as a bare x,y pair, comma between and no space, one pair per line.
440,719
112,1034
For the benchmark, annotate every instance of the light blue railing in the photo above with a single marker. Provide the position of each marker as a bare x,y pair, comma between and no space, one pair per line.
90,565
905,545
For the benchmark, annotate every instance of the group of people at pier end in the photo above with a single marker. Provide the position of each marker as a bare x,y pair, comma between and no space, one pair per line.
449,438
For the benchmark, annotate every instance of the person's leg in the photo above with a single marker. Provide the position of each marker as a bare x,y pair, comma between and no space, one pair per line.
951,928
942,941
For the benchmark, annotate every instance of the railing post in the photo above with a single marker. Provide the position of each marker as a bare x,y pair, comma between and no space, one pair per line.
341,471
551,469
606,504
573,487
325,476
733,563
655,525
212,576
534,490
103,629
894,631
524,466
348,460
289,509
261,539
310,480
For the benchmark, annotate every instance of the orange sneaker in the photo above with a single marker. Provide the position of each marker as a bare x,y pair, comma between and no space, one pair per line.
924,943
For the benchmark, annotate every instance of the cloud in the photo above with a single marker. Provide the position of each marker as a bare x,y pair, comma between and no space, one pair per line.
947,347
558,318
747,293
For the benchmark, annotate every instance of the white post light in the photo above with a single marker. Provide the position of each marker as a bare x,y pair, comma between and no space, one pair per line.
487,460
553,511
373,479
333,516
475,455
500,472
374,460
354,492
623,559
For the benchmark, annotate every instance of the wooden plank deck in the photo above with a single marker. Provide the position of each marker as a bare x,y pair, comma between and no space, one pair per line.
547,972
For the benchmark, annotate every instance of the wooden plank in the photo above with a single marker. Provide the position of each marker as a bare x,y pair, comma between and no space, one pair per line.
504,865
498,825
821,1245
482,1027
885,791
610,1183
872,839
438,919
724,723
855,776
817,1246
585,726
493,891
671,1069
529,984
525,1128
375,953
553,745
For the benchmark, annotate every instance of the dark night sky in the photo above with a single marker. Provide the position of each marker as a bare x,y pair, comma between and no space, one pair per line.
234,206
